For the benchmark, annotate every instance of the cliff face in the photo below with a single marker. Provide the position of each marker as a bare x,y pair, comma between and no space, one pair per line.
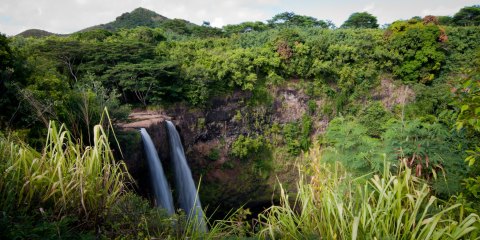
207,135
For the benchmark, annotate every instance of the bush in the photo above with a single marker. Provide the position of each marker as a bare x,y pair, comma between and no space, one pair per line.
257,151
66,177
131,217
297,137
331,205
419,48
374,117
430,149
347,141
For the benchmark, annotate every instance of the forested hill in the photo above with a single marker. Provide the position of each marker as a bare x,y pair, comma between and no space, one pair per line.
136,18
139,17
35,33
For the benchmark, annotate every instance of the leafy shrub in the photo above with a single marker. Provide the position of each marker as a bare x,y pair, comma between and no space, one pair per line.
246,146
214,154
312,107
297,135
430,149
347,141
419,48
67,177
393,206
40,225
374,117
131,217
467,103
256,150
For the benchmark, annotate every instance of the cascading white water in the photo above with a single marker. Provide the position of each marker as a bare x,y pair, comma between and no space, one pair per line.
161,189
187,192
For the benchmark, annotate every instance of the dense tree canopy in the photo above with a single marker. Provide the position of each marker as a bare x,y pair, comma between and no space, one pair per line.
291,19
467,16
361,20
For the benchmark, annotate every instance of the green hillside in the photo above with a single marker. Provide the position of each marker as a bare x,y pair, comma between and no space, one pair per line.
137,17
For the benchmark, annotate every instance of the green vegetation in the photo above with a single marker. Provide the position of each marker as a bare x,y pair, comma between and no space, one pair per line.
467,16
394,110
394,206
361,20
66,179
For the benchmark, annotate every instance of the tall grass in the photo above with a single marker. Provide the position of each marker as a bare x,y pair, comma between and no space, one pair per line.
66,176
392,206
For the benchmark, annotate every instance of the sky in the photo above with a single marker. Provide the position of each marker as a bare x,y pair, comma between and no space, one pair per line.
67,16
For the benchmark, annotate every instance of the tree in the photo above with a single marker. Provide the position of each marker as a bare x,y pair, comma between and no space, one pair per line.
6,64
146,80
419,47
444,20
292,19
245,27
5,53
467,16
361,20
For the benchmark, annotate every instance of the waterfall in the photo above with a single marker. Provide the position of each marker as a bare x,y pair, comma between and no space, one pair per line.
187,192
163,195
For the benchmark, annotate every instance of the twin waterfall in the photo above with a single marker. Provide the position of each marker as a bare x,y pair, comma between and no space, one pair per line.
185,187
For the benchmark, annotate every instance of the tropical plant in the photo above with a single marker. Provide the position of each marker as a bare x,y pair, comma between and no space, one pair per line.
361,20
332,205
467,16
67,177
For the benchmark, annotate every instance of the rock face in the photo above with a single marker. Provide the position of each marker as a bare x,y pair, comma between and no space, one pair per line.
207,135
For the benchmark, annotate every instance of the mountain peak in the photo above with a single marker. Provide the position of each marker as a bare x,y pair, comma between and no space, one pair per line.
141,16
138,17
36,33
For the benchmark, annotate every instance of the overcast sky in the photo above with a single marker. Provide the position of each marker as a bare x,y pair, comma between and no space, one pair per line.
67,16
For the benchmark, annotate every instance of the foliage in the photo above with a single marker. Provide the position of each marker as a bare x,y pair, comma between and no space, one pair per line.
429,149
144,80
445,20
361,20
214,154
246,146
131,217
347,141
6,64
66,177
419,49
256,151
297,135
5,53
41,225
374,117
145,59
467,103
138,17
245,27
331,206
467,16
289,19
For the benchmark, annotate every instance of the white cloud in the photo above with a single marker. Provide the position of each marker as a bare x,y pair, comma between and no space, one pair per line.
369,7
440,10
217,22
81,2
